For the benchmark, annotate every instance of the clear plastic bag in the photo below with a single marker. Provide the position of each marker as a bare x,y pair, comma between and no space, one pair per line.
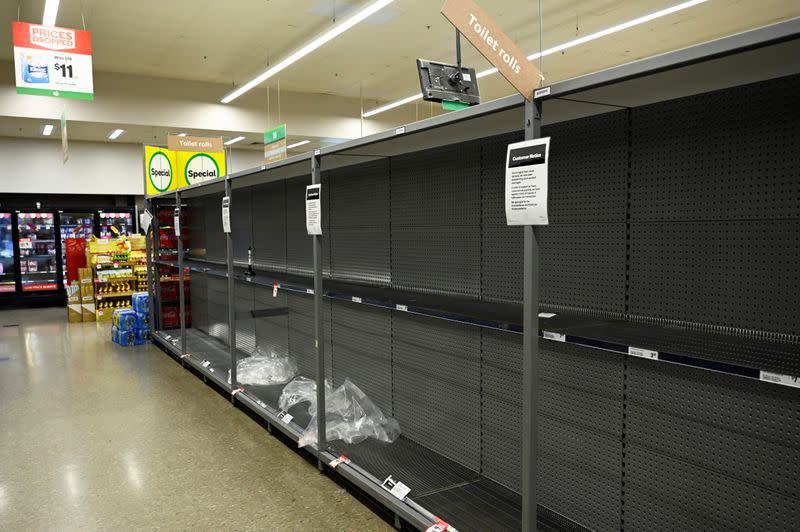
264,369
349,414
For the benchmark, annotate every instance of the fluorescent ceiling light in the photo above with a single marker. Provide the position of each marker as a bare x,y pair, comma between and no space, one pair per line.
233,141
561,47
181,134
329,35
298,144
50,13
114,135
48,130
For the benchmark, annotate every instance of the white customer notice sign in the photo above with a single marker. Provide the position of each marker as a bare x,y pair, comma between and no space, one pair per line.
50,61
526,182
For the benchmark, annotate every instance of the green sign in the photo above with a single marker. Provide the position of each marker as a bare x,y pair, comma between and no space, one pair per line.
275,134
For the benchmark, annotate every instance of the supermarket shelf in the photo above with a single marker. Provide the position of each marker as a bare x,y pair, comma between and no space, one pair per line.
772,361
48,272
100,297
129,278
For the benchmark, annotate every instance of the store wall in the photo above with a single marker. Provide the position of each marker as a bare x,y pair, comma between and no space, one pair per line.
36,166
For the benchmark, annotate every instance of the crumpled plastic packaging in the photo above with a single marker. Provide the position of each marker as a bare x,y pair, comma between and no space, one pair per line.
264,369
349,414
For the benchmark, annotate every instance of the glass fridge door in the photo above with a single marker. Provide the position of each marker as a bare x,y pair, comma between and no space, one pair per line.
73,225
37,251
123,221
8,277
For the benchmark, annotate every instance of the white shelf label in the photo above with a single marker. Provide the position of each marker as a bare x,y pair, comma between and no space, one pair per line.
546,314
777,378
356,299
262,404
400,130
317,151
285,416
337,461
395,487
275,287
309,290
187,355
314,209
176,222
554,336
226,214
402,308
237,391
544,91
643,353
438,526
206,363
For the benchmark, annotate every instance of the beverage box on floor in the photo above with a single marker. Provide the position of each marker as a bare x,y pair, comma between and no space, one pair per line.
141,302
124,319
74,309
114,334
127,338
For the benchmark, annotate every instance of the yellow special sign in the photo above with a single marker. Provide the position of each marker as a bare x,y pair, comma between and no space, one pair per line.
160,165
196,167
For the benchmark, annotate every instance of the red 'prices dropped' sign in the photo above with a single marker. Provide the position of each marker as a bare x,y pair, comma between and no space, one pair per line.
50,61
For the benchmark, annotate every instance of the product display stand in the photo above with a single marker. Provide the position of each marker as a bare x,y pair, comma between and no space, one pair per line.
639,398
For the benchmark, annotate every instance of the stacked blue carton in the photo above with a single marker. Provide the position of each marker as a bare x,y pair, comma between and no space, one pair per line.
141,306
132,326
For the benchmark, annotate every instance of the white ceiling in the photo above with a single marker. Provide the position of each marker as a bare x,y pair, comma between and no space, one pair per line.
230,42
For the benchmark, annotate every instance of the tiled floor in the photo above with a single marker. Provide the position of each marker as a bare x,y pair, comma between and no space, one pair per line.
94,436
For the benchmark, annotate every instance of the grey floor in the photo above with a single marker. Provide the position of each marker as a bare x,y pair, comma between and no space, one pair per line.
94,436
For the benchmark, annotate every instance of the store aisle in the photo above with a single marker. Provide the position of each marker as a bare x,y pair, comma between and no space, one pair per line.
94,436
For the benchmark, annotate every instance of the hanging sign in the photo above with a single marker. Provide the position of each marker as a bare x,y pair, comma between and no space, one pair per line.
159,165
196,167
495,45
314,209
64,143
526,182
195,144
50,61
275,144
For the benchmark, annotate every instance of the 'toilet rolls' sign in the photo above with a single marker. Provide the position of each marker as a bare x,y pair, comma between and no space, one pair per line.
495,45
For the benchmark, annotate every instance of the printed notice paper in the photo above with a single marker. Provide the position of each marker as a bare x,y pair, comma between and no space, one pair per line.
226,214
526,182
314,209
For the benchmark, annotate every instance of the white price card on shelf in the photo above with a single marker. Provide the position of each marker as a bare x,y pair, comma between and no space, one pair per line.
395,487
777,378
177,221
546,314
438,526
226,214
285,416
337,461
526,182
275,287
643,353
558,337
206,363
314,209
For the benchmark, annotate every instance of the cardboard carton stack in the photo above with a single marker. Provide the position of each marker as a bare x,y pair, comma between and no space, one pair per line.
88,310
74,309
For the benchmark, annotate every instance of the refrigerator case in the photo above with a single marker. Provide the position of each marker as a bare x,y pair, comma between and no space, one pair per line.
123,221
8,277
73,225
37,251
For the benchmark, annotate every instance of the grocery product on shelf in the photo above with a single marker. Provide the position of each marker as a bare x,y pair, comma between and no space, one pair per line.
113,262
